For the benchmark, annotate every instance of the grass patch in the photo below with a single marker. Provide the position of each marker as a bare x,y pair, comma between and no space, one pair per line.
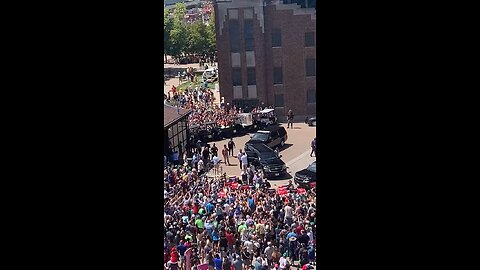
185,85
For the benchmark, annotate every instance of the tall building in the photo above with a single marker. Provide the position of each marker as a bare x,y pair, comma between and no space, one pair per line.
267,53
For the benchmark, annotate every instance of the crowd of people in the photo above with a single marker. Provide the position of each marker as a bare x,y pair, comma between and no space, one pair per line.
201,101
224,222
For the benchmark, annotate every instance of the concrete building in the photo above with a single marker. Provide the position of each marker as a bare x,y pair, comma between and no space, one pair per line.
267,53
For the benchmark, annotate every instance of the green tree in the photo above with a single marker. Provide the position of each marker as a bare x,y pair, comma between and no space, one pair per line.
178,34
211,35
167,27
197,38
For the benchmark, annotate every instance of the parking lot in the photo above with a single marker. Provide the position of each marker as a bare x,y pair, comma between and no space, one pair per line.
295,153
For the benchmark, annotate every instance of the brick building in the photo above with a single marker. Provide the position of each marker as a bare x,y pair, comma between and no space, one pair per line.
266,53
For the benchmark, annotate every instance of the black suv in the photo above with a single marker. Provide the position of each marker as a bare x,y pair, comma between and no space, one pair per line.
262,156
307,178
272,136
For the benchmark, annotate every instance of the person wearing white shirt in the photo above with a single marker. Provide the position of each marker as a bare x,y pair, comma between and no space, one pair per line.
239,156
244,160
282,262
216,164
200,166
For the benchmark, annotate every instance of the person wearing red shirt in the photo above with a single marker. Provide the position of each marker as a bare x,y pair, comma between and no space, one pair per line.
173,259
299,229
230,239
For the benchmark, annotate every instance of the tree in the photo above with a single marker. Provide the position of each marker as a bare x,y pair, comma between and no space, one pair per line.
197,38
167,27
178,35
211,35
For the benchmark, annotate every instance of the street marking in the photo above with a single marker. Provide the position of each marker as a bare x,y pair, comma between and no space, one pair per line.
298,158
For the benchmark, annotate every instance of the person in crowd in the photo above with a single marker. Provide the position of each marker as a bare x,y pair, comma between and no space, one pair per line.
244,161
214,150
234,228
225,154
216,164
239,157
231,146
314,147
290,119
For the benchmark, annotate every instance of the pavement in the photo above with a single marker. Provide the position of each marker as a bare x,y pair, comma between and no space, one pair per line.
295,153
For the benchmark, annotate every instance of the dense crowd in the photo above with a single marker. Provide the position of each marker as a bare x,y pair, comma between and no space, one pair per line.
228,223
201,101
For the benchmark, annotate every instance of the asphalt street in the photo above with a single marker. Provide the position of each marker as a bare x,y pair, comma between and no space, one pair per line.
295,153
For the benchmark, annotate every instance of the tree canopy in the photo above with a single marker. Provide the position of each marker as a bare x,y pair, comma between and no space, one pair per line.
182,38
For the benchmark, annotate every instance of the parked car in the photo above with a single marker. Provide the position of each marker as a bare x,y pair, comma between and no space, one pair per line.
263,157
272,136
311,121
307,178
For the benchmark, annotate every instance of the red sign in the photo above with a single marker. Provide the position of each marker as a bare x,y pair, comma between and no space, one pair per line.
301,190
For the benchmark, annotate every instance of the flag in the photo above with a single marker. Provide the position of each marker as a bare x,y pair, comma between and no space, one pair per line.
188,254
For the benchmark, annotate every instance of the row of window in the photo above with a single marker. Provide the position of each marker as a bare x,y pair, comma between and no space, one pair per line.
309,71
277,73
277,38
235,37
311,98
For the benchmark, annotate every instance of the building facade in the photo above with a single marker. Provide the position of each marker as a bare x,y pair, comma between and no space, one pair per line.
267,53
175,128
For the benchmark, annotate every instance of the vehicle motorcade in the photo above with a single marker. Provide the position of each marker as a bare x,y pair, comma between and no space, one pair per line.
307,178
264,158
311,121
272,136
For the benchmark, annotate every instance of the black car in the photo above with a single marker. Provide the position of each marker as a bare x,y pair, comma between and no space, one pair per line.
263,157
311,121
307,178
271,136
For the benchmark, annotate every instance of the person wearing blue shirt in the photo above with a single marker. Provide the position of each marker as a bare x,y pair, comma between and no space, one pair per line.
217,262
209,207
181,250
251,203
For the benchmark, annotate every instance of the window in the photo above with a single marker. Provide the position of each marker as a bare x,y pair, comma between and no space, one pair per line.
309,39
276,38
311,96
277,75
279,100
236,77
251,76
248,31
310,67
234,31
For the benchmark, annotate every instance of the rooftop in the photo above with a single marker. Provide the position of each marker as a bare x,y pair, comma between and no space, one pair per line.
172,115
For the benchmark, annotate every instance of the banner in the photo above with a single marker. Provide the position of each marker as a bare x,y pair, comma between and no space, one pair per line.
188,254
